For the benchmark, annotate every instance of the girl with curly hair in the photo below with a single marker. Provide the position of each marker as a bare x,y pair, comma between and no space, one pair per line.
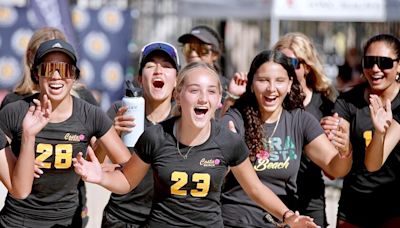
270,116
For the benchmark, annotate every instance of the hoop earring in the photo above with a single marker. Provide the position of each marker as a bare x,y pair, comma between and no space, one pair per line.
398,77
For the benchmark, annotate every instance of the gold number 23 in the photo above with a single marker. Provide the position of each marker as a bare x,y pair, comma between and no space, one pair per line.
62,155
181,178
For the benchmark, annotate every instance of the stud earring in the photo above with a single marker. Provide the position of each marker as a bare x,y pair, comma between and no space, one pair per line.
398,77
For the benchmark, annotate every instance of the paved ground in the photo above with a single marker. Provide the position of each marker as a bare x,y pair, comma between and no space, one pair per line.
98,197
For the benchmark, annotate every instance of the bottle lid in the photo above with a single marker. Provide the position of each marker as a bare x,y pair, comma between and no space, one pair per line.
131,90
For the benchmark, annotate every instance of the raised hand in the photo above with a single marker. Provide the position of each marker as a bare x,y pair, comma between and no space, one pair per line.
37,116
381,115
237,85
123,123
90,171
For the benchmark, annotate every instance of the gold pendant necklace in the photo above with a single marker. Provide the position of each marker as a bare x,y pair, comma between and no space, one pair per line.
180,153
177,144
264,154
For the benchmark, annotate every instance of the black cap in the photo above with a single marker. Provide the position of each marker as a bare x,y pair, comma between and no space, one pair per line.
203,33
55,45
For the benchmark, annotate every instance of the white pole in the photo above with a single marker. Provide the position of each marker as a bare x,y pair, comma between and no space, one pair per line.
274,26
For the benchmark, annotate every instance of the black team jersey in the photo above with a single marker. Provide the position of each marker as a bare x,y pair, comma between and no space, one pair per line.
84,94
54,196
277,169
396,114
134,207
310,184
367,198
3,140
187,191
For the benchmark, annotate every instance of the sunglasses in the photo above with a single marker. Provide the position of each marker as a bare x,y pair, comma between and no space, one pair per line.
66,70
383,63
201,49
295,62
166,47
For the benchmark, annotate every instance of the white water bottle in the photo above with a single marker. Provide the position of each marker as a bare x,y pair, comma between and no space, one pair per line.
135,103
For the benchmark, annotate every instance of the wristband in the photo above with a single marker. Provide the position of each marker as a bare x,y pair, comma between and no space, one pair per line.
285,214
229,95
268,218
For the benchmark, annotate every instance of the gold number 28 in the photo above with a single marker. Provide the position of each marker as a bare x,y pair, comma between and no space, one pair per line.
62,155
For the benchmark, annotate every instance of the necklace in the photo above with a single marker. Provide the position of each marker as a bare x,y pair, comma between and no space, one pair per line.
264,154
184,156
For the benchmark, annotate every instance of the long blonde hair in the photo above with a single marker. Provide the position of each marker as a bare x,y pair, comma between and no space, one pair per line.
180,80
26,85
304,49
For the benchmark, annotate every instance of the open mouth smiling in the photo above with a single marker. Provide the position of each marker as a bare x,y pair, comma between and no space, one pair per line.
158,83
200,110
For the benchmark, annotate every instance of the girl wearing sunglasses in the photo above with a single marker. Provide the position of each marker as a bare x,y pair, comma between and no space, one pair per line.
190,155
380,189
204,44
158,67
54,200
28,86
319,98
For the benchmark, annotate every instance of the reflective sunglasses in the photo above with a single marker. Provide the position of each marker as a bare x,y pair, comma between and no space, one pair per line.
295,62
383,63
201,49
66,70
166,47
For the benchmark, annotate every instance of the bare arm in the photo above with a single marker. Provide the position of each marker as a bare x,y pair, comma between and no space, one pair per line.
386,134
265,198
121,124
115,148
17,173
332,153
118,181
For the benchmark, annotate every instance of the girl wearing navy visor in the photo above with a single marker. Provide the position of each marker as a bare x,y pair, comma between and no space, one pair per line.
158,68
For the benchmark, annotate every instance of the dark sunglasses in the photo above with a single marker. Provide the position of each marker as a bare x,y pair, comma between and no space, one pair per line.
383,63
65,70
166,47
295,62
201,49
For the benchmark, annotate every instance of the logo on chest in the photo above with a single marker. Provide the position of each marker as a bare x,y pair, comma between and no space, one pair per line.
209,162
74,138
